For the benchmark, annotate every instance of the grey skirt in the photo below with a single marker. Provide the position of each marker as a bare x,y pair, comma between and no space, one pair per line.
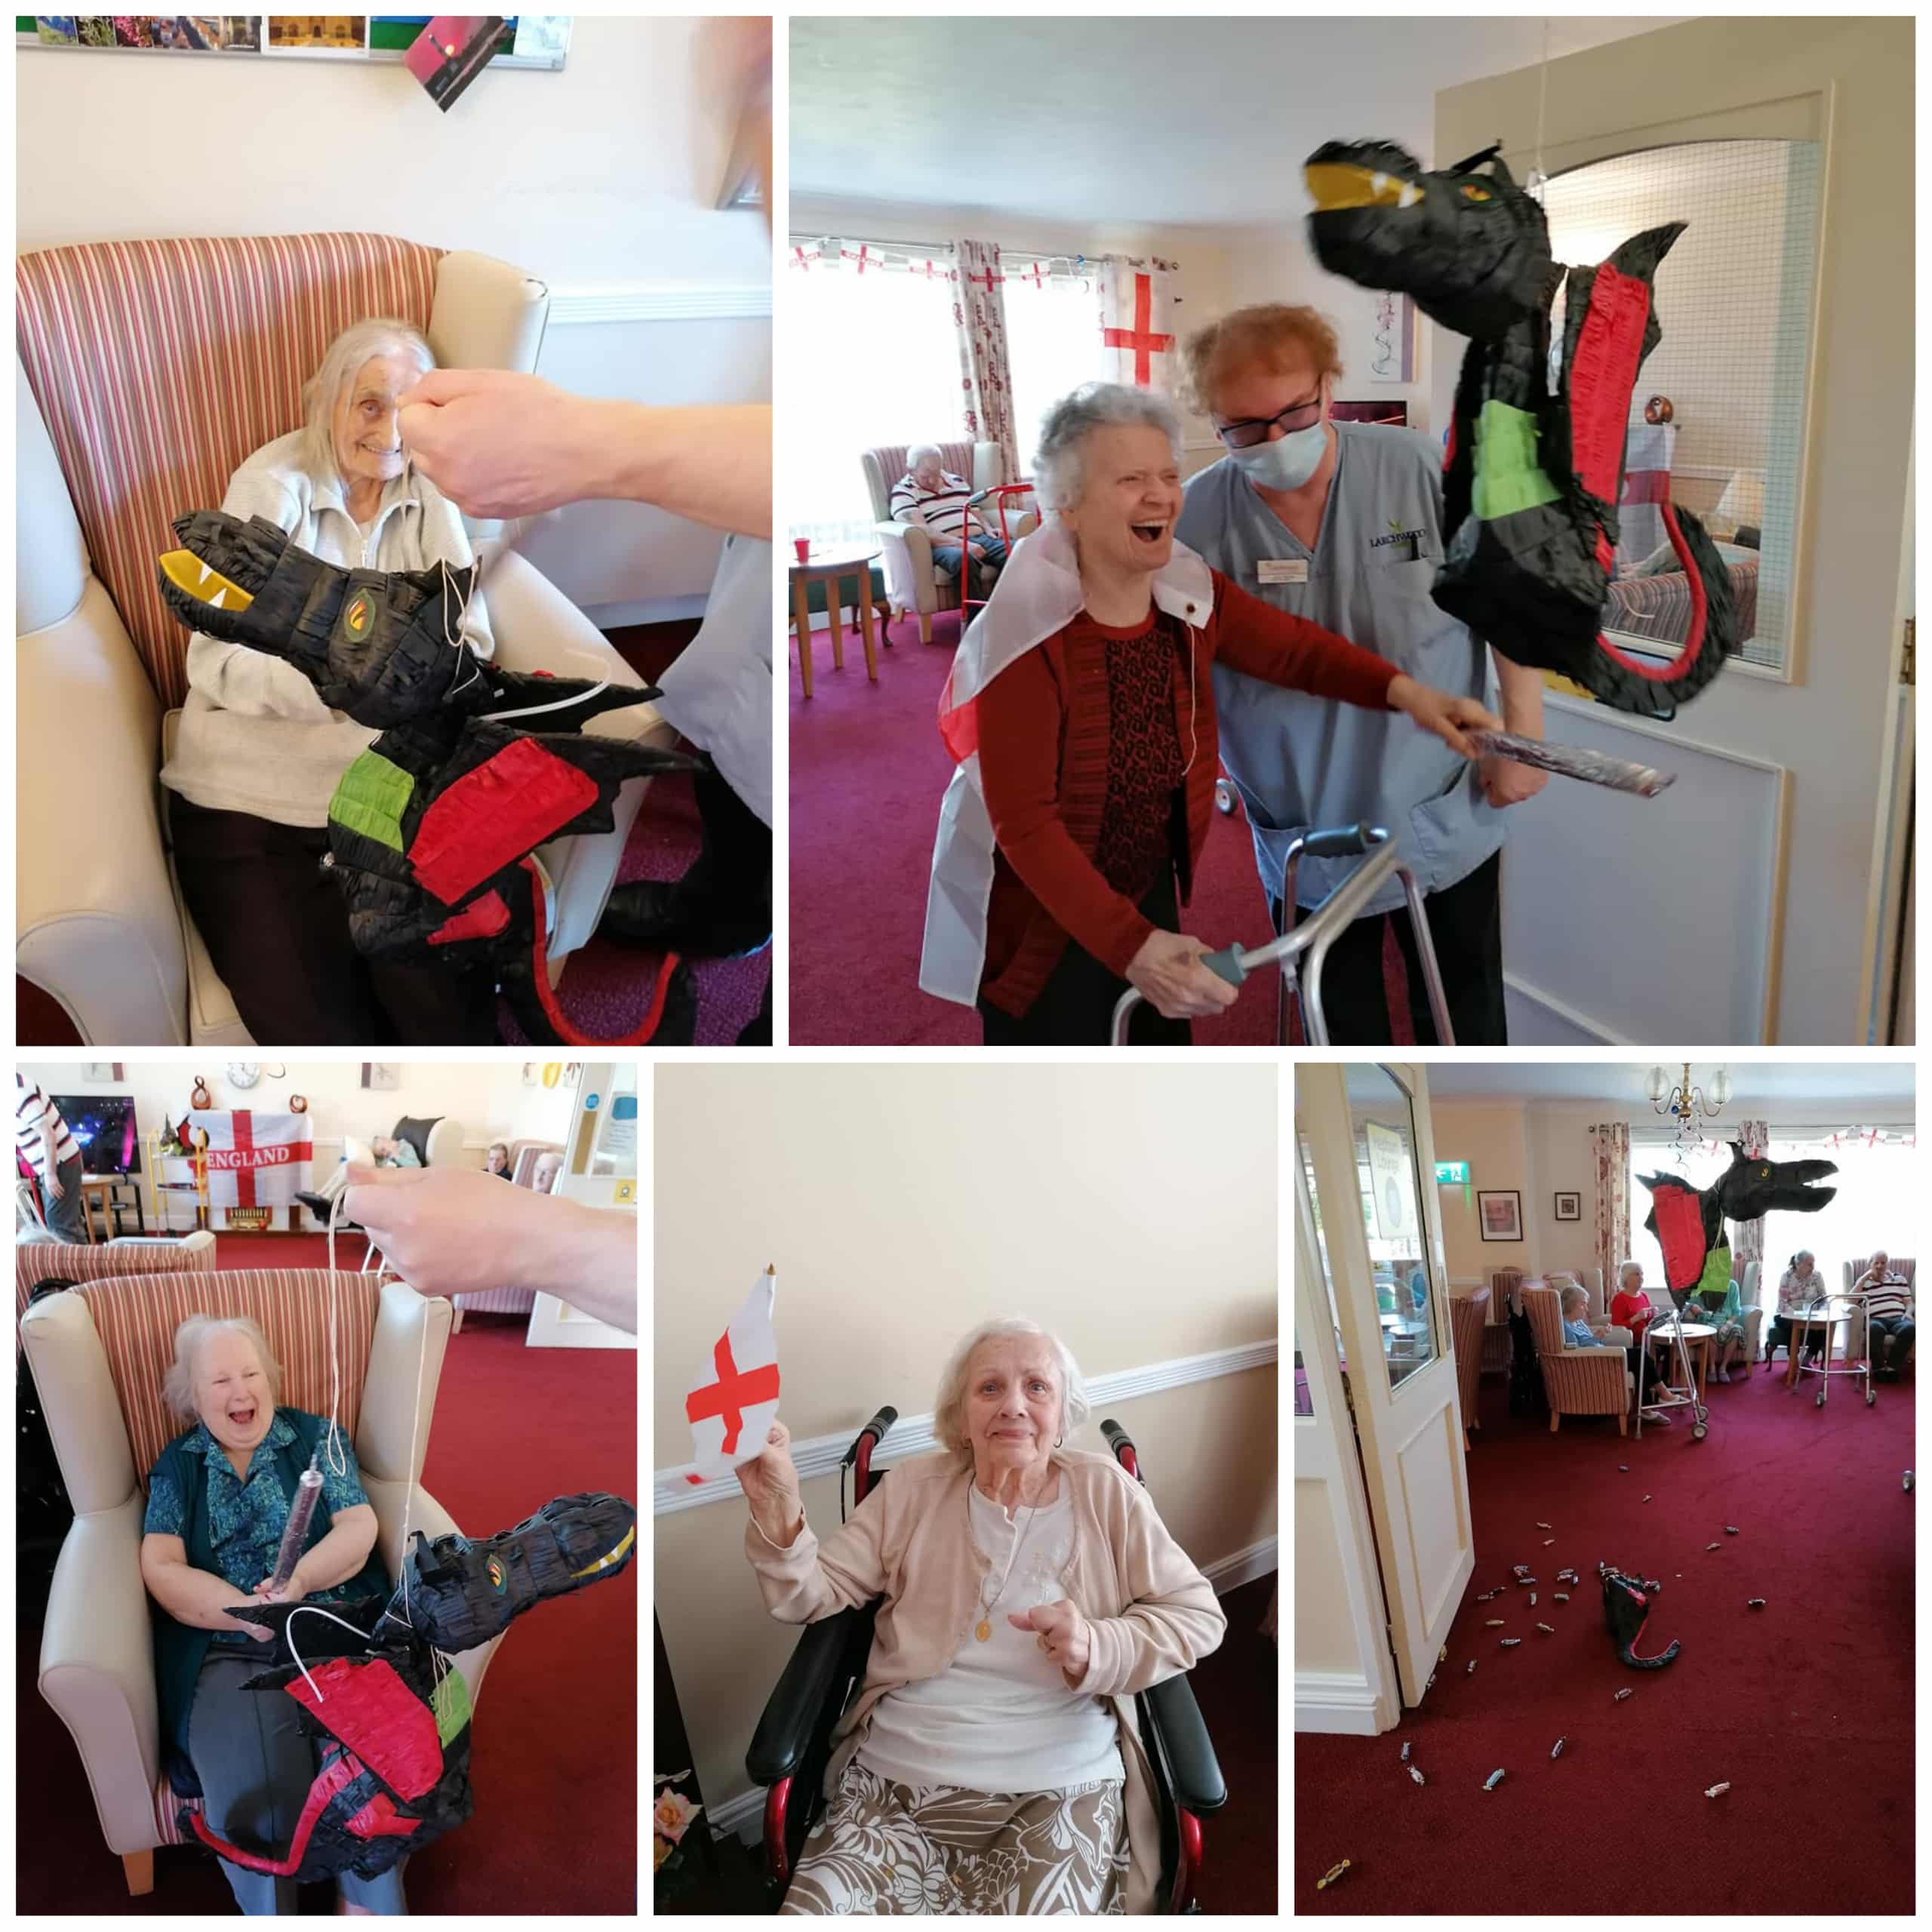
887,1847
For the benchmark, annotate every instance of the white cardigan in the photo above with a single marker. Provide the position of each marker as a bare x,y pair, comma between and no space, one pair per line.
253,737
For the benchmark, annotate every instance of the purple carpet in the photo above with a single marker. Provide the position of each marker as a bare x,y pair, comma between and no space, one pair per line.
868,770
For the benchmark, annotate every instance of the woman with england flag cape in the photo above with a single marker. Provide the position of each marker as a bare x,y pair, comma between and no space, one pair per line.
1081,714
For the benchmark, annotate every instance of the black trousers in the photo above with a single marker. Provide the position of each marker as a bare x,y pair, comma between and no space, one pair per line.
275,925
1075,1007
1466,922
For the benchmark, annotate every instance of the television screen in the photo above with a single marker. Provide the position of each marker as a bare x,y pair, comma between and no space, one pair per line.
103,1125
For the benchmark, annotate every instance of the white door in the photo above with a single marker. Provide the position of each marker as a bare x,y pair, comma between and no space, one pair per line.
1363,1132
1754,901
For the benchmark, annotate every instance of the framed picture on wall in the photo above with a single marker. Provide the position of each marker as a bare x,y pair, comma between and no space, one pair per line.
1569,1207
1500,1210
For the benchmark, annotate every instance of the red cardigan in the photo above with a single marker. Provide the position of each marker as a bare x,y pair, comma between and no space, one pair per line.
1043,742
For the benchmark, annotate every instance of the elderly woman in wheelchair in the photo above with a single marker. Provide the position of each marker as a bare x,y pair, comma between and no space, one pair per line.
219,1499
259,753
990,1762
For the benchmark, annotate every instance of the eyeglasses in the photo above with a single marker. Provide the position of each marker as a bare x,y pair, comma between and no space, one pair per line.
1253,430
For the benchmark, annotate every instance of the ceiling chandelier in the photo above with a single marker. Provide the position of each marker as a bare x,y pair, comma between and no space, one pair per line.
1688,1105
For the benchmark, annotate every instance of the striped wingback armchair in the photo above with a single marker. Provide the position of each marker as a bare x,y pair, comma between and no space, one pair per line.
1468,1316
1503,1283
38,1261
1576,1382
98,1353
147,372
913,581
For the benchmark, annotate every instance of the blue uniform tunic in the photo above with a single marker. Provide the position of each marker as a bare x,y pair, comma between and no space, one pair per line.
1300,761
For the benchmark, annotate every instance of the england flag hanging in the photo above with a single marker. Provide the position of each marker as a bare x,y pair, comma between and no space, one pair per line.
1136,322
732,1400
255,1160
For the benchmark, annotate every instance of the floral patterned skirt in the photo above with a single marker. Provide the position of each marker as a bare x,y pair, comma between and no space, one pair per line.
887,1847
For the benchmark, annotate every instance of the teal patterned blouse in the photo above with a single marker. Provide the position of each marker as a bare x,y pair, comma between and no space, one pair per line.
246,1518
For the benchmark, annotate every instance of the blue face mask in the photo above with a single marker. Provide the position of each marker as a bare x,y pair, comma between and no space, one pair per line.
1286,463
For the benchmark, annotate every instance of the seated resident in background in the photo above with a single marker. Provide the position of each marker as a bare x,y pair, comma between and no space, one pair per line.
1577,1333
1725,1313
1888,1304
394,1153
933,499
1801,1285
498,1160
1631,1309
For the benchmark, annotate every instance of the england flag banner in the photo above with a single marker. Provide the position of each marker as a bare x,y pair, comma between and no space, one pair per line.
732,1399
255,1160
1137,322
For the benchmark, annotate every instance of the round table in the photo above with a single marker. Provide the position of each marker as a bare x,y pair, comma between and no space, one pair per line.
827,563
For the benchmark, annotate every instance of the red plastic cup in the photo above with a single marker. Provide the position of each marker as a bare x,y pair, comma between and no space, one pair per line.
803,545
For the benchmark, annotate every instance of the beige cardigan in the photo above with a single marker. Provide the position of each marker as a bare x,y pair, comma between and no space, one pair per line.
1153,1613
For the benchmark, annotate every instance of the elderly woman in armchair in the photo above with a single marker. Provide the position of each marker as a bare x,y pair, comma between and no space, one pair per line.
219,1498
259,753
991,1763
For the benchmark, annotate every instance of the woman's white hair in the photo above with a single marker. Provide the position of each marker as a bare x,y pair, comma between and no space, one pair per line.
949,1405
920,450
1572,1293
1060,467
1624,1267
177,1387
382,335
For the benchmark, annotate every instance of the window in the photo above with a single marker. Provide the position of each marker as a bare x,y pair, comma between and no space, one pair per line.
1734,298
1052,342
1876,1181
870,358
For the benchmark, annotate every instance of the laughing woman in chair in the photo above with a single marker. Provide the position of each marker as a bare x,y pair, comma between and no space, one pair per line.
218,1501
991,1763
259,753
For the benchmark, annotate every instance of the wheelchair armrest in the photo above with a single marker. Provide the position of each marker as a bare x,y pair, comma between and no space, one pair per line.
784,1731
1191,1765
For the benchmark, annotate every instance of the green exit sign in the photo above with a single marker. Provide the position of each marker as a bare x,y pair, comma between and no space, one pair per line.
1452,1173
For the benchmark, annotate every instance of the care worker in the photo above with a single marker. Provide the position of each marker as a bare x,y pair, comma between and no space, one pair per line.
1341,524
501,444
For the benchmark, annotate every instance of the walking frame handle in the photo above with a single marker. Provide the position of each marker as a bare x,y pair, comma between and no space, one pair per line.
1319,931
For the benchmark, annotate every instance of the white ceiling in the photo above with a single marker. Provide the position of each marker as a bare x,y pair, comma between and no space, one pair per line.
1873,1080
1162,123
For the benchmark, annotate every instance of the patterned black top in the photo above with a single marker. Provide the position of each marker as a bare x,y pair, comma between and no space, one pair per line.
1144,764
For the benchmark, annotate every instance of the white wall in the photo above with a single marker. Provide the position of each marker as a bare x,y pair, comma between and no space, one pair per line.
599,180
487,1097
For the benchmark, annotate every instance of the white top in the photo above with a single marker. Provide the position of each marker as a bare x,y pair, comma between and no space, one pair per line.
999,1718
38,1127
254,736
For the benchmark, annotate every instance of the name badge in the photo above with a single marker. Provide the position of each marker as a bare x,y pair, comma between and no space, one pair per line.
1283,570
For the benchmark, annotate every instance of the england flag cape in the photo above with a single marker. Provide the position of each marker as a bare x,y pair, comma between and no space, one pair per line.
1038,594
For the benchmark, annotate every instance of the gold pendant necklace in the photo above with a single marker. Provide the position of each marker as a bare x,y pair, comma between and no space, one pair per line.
983,1629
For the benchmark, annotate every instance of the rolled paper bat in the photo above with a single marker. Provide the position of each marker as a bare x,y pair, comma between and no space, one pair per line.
1620,774
301,1513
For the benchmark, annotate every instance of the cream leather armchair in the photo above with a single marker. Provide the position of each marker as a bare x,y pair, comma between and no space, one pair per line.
100,925
96,1656
912,581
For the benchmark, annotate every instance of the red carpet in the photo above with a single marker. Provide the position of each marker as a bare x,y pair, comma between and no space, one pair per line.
1236,1688
1805,1707
868,772
554,1754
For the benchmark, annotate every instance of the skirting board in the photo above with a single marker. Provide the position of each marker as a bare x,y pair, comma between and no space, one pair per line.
1334,1701
744,1815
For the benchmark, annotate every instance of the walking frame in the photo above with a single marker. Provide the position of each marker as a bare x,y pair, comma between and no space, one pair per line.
1315,936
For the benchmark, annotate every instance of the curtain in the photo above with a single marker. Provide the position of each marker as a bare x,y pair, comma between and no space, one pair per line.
985,377
1137,322
1748,1236
1611,1144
